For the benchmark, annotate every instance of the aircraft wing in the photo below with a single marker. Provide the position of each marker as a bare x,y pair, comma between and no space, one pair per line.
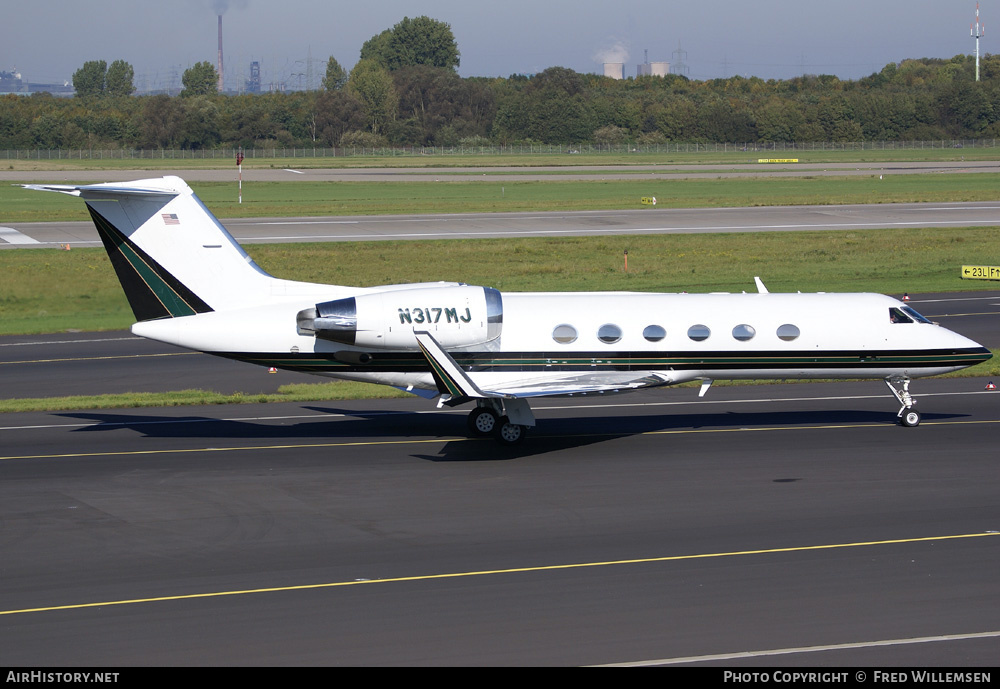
458,387
577,384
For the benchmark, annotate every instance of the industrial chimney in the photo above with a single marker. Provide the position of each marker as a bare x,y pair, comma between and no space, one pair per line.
220,53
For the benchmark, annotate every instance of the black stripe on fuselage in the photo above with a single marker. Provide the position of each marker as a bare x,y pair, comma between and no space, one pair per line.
549,362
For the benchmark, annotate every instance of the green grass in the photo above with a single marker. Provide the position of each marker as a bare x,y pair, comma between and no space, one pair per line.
507,159
277,199
298,392
284,199
49,290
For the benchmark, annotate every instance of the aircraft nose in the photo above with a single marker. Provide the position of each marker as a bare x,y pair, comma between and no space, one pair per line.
976,350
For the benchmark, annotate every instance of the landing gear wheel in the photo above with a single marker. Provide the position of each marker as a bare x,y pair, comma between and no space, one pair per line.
910,419
509,433
482,421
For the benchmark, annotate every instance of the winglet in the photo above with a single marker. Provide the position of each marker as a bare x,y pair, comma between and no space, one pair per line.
451,380
760,285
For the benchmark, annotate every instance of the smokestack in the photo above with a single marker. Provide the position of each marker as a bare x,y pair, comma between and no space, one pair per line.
220,53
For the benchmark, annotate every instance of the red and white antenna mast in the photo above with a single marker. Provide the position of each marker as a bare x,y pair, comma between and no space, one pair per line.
977,31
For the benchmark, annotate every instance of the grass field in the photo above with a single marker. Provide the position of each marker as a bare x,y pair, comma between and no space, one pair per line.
446,160
48,290
302,198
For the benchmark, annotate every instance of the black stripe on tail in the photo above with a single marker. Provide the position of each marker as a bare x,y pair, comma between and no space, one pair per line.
151,290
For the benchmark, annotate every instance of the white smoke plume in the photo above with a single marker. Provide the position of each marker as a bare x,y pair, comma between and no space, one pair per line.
614,52
220,6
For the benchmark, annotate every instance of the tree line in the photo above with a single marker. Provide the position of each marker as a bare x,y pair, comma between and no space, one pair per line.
404,91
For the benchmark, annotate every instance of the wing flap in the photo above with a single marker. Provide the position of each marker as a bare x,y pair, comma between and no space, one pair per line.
580,384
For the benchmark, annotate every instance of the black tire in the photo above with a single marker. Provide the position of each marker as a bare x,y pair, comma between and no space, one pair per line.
482,421
509,433
910,418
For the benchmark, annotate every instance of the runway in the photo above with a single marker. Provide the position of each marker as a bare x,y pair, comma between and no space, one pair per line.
648,220
575,224
642,529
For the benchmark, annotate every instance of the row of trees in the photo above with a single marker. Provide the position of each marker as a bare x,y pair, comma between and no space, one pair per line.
405,91
96,80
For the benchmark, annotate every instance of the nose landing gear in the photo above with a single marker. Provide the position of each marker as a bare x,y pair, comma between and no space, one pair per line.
899,386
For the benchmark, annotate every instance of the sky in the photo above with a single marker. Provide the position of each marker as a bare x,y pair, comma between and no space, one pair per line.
774,39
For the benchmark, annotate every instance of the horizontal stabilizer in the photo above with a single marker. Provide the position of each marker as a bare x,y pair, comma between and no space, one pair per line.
172,256
93,190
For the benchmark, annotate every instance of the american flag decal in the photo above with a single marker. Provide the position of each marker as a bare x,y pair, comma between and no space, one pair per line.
170,219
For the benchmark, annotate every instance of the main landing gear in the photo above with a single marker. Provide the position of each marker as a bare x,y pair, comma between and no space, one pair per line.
489,420
900,388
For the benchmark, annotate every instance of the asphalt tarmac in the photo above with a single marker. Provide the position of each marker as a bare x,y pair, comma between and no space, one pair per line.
791,525
583,223
787,525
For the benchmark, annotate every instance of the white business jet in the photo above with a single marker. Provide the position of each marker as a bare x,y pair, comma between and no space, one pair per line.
191,284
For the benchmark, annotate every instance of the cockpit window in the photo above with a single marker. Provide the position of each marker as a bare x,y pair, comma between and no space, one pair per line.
913,314
897,316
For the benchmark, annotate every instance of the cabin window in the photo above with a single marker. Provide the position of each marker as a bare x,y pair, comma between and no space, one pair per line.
788,332
744,332
609,333
654,333
916,316
564,334
897,316
699,332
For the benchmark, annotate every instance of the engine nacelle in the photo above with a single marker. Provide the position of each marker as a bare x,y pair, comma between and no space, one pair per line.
459,316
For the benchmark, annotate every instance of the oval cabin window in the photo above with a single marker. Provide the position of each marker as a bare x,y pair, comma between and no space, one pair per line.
654,333
744,332
609,333
699,332
788,332
564,334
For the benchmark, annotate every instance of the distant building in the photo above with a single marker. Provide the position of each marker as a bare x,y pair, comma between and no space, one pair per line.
11,82
615,70
652,69
253,83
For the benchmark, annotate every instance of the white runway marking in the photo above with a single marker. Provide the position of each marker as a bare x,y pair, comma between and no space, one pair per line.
12,236
808,649
73,342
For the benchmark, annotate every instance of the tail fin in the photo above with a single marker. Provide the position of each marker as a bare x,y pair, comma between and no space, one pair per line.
172,256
